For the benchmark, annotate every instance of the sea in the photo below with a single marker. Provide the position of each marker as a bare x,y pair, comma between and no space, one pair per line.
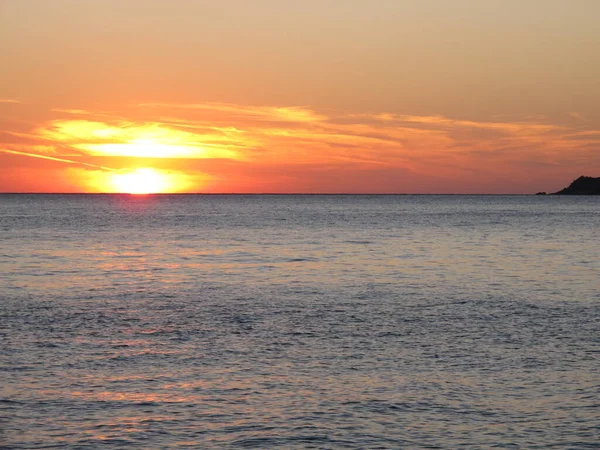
299,321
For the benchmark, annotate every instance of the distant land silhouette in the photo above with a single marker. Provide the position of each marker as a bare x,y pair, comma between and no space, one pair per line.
582,186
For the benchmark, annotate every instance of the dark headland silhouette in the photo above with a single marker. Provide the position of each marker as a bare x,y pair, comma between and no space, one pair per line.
582,186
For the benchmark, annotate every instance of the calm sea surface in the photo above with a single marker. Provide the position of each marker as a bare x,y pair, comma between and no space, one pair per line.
319,322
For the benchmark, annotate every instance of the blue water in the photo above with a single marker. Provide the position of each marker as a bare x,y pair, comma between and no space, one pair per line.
318,322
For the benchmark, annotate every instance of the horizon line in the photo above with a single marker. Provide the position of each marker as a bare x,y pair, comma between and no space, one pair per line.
257,193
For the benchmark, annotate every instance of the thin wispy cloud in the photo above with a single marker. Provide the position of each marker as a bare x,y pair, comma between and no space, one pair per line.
72,111
578,116
263,113
52,158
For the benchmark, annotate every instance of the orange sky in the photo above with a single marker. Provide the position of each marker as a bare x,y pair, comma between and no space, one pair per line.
388,96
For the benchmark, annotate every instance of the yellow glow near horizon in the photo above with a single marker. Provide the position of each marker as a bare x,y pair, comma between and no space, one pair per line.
142,181
138,180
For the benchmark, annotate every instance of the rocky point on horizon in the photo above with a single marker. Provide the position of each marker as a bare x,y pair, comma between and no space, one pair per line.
582,186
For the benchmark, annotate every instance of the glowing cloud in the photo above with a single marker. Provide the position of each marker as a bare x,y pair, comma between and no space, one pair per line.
138,140
289,114
236,148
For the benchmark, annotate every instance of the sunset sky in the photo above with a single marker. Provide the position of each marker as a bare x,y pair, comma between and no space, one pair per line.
312,96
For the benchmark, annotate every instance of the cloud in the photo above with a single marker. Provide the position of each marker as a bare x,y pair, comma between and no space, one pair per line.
147,140
303,144
290,114
438,122
72,111
10,101
578,116
52,158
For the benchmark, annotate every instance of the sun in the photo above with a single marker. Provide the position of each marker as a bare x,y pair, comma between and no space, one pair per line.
141,181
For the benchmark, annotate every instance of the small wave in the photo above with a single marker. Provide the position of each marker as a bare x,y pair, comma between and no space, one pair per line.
308,259
268,442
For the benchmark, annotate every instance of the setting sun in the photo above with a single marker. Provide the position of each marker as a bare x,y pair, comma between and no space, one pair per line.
142,181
